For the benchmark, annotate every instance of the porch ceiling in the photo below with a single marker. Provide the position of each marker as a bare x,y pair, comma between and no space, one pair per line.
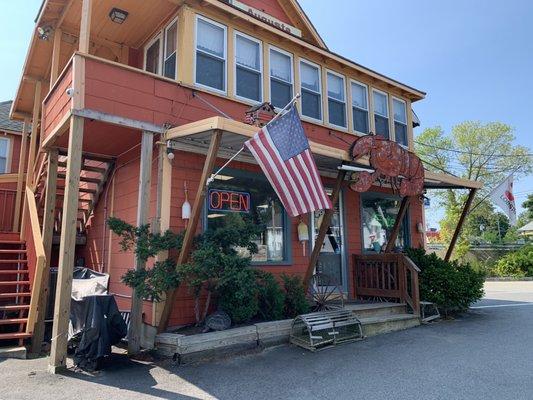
195,137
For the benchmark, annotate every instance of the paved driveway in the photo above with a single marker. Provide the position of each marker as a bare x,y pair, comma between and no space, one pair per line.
486,354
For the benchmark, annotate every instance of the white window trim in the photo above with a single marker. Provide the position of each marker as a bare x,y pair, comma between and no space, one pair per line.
400,122
261,72
163,54
373,105
367,109
159,37
225,28
340,127
9,157
270,47
312,64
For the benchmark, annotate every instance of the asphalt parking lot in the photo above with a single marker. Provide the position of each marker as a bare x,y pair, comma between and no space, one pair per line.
484,354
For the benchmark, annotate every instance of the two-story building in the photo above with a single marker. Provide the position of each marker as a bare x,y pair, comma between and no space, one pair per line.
133,104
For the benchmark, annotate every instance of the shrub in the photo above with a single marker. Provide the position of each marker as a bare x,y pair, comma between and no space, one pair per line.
271,297
450,285
237,291
517,264
295,300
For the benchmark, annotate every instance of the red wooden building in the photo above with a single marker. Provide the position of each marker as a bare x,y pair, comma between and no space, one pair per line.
112,87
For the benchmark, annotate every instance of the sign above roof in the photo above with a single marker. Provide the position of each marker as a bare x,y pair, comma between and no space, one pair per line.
267,18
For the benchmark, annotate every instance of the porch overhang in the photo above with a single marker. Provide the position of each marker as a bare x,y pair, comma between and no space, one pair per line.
196,136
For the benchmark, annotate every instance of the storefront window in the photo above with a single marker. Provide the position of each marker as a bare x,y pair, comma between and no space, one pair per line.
378,215
234,197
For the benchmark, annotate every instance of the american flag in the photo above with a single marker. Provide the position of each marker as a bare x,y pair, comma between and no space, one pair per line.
282,151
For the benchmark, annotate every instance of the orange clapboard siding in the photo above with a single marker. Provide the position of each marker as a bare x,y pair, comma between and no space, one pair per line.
57,104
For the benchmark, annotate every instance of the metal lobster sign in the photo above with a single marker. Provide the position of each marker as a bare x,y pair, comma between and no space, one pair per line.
391,162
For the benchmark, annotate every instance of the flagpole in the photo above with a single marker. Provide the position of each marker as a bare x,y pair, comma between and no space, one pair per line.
289,104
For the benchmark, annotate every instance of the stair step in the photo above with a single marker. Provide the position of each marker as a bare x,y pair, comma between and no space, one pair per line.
12,321
16,307
82,178
12,242
14,283
85,168
14,294
18,335
13,261
13,251
13,271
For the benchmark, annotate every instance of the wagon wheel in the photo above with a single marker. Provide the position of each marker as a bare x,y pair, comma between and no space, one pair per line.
325,293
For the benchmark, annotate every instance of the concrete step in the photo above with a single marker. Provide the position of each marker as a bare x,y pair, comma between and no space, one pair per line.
388,323
13,352
375,309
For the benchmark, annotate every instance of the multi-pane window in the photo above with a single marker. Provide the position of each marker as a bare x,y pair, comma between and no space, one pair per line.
311,90
4,153
152,56
248,80
400,121
336,100
281,80
171,37
381,113
210,54
360,107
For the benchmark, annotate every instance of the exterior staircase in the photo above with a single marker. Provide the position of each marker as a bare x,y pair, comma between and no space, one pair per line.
15,291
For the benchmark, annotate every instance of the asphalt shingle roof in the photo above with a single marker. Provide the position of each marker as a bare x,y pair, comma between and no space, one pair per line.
5,122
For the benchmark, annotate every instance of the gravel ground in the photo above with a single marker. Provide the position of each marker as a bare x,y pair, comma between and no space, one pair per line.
485,354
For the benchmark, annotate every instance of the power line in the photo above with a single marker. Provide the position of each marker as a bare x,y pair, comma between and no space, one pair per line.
473,154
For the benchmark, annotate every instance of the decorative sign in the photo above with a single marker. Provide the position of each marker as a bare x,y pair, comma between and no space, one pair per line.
266,18
228,201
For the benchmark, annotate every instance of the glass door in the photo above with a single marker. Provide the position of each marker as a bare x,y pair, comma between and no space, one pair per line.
331,259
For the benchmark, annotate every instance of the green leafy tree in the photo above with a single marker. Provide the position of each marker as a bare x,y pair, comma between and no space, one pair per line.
528,205
474,151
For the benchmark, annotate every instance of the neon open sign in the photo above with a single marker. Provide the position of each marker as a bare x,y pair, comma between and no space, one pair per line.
228,200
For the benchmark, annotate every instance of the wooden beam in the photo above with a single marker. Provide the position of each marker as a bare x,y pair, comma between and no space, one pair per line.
85,26
20,177
48,230
143,209
397,223
32,151
67,247
193,221
56,51
460,223
323,228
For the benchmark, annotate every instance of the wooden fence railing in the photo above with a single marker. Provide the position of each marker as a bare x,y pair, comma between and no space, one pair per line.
387,276
36,256
7,209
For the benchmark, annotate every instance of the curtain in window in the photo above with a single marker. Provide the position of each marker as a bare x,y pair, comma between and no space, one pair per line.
210,38
4,148
399,111
310,77
380,104
280,66
335,87
359,96
247,53
152,57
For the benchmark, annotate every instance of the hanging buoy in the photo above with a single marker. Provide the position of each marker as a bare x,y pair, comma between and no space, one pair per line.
303,235
186,207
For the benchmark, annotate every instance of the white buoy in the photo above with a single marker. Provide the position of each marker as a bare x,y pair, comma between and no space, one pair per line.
186,207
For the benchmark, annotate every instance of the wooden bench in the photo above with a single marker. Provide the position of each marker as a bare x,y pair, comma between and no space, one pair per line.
322,329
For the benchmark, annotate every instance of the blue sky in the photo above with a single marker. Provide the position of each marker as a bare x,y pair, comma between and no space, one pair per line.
474,58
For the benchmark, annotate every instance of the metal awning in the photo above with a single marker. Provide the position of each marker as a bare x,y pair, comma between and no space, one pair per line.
196,136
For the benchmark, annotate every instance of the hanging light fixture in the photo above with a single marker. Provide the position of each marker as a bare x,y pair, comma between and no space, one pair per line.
117,15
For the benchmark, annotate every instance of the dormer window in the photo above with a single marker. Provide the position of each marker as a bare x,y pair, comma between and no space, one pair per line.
400,121
381,113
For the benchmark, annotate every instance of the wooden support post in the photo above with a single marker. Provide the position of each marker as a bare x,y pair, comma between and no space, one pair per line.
143,208
85,26
67,247
32,151
190,232
48,228
460,223
397,223
56,51
20,177
326,220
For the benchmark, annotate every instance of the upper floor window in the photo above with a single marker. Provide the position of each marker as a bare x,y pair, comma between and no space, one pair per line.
281,81
400,121
381,113
311,90
360,107
336,100
248,76
210,54
171,40
152,56
4,155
